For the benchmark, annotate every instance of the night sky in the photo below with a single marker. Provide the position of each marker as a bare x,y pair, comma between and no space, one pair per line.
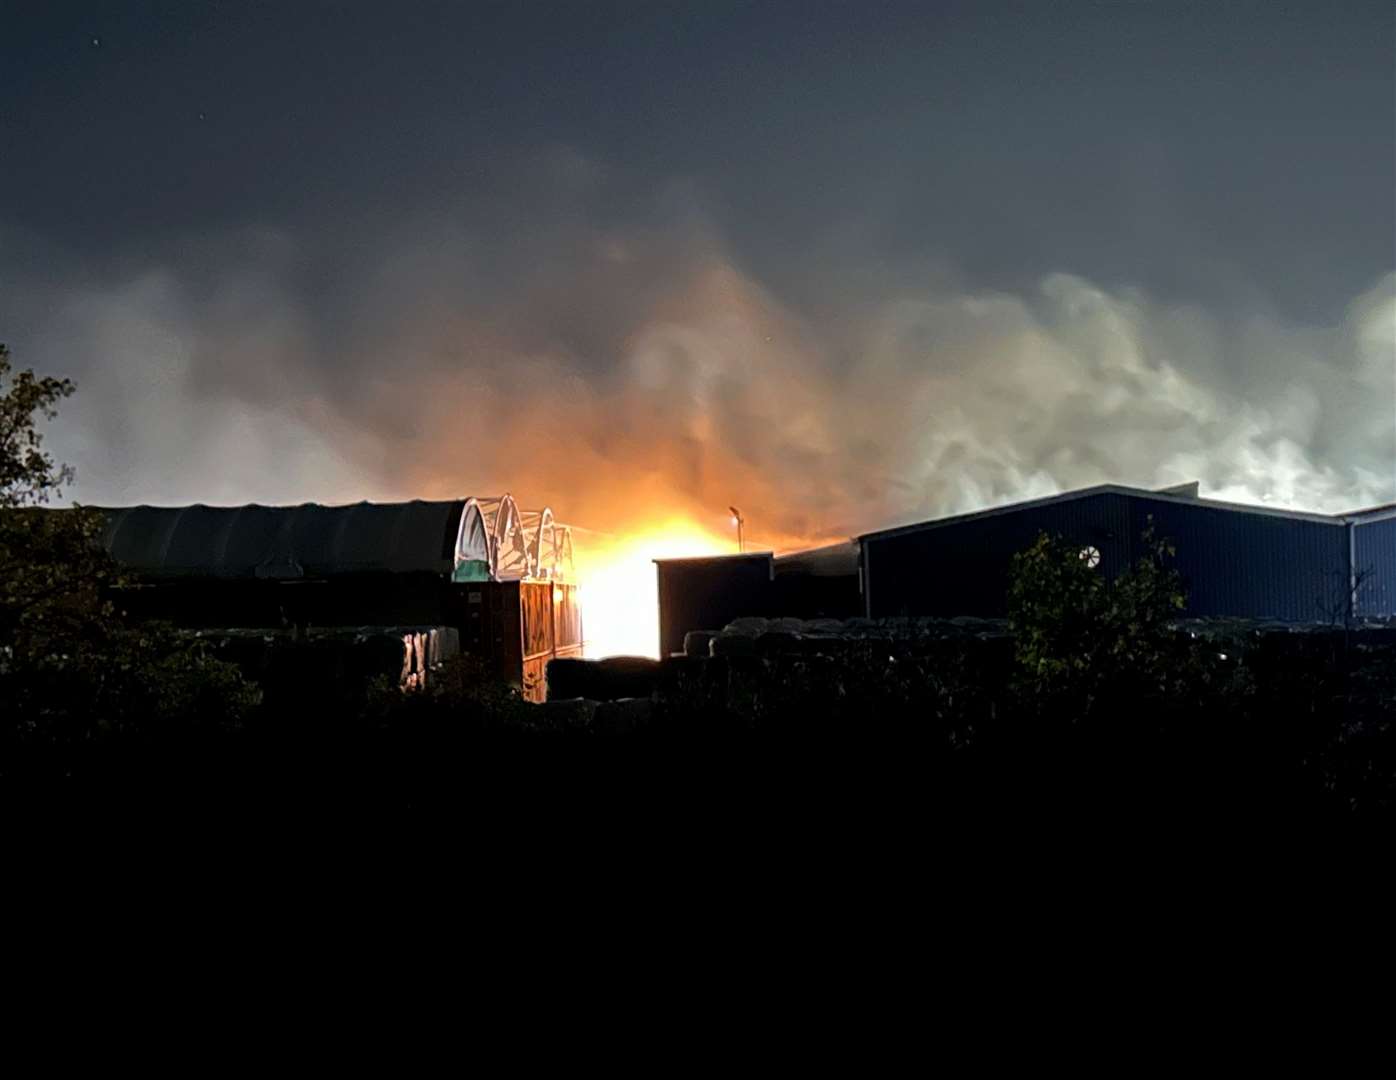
843,264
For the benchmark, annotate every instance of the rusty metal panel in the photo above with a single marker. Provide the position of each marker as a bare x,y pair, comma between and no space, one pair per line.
487,614
536,617
567,618
534,682
514,626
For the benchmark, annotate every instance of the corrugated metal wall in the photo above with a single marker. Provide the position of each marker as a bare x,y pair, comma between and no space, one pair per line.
962,568
1233,562
1257,565
1375,543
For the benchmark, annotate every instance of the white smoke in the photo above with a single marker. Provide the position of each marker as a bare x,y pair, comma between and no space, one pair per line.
635,369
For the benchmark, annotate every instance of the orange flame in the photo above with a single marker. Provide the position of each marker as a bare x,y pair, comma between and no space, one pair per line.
618,583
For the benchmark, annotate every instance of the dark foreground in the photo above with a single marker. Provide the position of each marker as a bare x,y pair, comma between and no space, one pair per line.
476,782
914,739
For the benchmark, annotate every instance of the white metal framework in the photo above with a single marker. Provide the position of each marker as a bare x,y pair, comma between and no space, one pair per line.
550,544
498,542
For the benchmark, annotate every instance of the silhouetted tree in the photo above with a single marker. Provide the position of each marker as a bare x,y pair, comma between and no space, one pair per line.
1079,635
51,569
71,669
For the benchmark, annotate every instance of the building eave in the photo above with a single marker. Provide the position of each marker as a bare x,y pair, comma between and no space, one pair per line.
1371,513
1109,489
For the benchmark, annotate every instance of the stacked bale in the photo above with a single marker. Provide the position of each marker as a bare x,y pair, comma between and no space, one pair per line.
602,680
766,637
952,674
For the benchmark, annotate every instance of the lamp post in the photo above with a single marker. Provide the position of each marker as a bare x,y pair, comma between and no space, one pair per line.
738,521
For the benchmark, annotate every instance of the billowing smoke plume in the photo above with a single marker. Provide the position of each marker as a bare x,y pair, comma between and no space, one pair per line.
633,368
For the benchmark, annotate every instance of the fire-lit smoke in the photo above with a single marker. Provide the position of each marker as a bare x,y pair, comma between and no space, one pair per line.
640,379
619,588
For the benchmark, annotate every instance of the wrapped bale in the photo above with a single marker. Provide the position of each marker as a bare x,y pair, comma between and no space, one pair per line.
777,641
733,644
602,680
698,642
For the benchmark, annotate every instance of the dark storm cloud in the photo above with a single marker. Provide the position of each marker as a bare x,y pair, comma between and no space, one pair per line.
847,268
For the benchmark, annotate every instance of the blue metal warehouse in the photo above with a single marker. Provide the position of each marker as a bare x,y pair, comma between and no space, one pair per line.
1236,560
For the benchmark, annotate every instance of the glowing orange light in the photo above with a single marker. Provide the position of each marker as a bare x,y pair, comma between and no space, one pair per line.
618,586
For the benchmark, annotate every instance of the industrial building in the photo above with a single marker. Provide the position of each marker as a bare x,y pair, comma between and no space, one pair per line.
709,592
1235,560
497,576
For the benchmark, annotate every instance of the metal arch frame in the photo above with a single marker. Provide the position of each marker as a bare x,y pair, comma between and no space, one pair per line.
471,506
563,549
550,545
522,545
532,522
509,559
538,524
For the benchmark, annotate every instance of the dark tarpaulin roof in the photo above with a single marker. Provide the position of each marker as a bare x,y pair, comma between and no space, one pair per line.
306,541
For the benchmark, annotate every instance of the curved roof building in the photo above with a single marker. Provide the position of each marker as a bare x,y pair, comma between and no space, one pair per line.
472,539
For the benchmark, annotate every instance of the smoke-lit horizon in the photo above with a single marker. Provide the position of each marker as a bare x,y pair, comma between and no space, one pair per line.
811,297
224,383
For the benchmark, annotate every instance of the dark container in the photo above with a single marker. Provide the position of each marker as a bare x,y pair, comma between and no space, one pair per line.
708,593
518,627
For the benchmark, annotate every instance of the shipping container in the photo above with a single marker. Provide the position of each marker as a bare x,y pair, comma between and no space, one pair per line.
708,593
518,626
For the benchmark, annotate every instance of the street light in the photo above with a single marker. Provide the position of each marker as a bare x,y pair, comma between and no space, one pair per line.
738,521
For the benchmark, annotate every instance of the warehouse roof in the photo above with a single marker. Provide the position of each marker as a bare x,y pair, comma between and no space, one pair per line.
1183,494
1373,513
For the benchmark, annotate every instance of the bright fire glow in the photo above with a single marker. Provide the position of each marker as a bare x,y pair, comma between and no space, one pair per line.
618,585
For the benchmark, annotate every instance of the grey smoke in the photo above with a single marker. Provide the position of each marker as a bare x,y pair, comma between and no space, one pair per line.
609,363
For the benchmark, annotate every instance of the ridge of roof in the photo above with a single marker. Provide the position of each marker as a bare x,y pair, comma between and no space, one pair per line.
1105,489
277,506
